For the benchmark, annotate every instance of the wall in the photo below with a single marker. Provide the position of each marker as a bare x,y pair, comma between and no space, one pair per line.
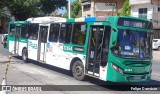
135,10
106,12
135,2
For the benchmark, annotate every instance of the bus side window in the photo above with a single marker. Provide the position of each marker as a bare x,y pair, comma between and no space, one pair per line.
12,30
24,31
54,32
65,33
79,33
33,31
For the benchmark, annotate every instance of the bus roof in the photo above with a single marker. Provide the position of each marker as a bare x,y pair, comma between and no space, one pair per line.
44,19
49,19
88,19
101,18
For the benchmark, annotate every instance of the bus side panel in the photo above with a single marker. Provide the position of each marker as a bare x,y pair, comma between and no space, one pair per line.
67,58
11,45
103,72
21,46
52,54
56,56
32,49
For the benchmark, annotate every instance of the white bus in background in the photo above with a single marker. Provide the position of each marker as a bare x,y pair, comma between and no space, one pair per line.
156,44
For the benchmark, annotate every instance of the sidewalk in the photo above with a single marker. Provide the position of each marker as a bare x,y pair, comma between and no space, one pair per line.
3,62
3,59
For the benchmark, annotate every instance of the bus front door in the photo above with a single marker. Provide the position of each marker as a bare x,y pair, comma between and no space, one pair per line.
17,36
42,43
97,51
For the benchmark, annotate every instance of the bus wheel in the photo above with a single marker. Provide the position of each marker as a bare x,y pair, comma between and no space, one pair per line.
25,55
78,70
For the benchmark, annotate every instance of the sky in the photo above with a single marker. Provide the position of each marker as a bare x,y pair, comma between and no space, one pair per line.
63,11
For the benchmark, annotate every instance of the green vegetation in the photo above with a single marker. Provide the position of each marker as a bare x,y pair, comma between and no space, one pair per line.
126,9
76,10
23,9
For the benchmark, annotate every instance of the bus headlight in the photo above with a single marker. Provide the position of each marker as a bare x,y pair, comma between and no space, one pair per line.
117,69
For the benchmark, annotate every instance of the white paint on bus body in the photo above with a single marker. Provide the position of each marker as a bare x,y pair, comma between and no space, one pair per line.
18,49
32,49
57,57
103,72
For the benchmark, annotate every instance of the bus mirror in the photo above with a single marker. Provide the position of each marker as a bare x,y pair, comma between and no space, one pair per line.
114,36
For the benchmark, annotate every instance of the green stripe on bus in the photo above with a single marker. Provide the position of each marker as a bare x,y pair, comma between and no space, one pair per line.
71,20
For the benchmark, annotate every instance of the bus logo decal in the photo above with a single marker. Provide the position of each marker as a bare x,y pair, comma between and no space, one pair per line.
97,23
32,45
67,48
78,49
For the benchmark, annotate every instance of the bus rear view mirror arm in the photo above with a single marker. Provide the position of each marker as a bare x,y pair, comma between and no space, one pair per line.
114,36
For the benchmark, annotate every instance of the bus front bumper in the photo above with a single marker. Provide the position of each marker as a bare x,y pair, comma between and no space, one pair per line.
115,76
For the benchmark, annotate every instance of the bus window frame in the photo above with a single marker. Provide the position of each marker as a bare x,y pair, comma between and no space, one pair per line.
26,29
81,31
10,30
29,26
58,32
65,32
137,30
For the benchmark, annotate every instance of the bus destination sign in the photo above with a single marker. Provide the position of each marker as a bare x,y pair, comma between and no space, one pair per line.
134,23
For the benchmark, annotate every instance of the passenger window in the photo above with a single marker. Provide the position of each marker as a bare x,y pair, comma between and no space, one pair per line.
33,31
79,33
65,33
24,31
54,32
12,30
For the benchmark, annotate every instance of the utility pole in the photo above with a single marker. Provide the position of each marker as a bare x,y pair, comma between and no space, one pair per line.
69,9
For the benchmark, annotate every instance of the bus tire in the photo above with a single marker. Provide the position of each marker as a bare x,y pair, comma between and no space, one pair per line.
25,55
78,70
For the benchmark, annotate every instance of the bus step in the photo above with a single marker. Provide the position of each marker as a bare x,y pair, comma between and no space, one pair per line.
91,75
41,61
96,70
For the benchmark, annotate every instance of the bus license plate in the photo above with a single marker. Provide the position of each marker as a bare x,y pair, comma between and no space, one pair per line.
138,78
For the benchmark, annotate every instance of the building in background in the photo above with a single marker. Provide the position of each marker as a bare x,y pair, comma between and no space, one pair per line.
141,8
148,9
101,7
156,18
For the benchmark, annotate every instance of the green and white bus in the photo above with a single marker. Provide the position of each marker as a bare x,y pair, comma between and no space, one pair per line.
113,48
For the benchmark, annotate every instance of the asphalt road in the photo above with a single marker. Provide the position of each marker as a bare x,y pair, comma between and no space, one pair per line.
34,73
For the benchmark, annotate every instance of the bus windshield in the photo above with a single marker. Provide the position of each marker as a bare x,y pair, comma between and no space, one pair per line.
133,44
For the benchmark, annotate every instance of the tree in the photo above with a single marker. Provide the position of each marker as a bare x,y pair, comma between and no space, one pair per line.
76,9
48,6
23,9
65,15
126,9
